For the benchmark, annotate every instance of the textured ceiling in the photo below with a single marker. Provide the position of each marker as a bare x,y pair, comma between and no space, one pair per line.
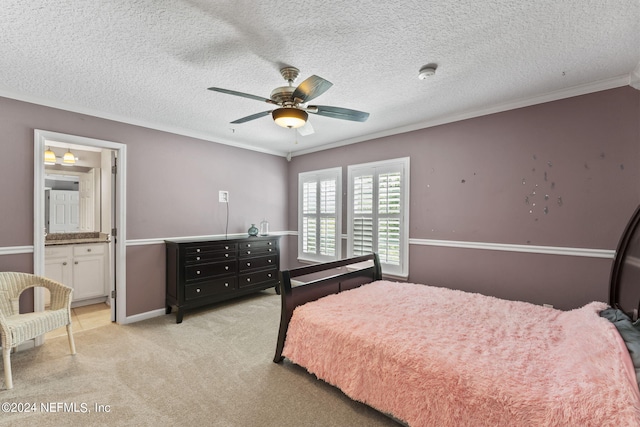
150,62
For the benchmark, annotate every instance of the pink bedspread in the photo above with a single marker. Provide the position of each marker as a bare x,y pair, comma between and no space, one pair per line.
438,357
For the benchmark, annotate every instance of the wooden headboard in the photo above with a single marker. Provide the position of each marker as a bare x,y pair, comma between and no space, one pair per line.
301,285
625,275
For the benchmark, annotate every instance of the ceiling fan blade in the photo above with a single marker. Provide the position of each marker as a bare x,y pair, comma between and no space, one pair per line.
339,113
311,88
242,94
306,129
252,117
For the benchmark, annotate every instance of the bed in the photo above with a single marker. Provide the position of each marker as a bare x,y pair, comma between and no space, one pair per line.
409,351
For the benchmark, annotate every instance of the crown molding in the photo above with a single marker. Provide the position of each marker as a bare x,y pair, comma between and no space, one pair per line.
584,89
631,79
130,121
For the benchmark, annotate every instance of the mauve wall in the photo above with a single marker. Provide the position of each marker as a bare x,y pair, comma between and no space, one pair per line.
172,190
564,173
470,181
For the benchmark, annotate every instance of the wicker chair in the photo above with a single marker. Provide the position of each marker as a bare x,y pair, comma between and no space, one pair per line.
16,328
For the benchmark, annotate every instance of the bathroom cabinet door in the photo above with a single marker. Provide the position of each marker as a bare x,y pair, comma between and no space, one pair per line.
88,271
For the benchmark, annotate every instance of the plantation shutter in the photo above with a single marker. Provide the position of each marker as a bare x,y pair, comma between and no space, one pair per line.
309,217
320,214
362,224
389,217
378,213
327,233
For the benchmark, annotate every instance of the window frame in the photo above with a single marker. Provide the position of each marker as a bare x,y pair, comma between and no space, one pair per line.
317,176
377,168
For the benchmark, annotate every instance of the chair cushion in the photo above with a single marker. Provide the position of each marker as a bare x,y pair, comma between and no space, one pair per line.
29,325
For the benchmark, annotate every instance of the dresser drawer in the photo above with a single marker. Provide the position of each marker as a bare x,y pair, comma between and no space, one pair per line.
210,288
210,247
251,279
203,271
203,257
261,250
270,261
258,244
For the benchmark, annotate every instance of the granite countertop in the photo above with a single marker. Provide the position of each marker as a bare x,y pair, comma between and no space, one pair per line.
75,238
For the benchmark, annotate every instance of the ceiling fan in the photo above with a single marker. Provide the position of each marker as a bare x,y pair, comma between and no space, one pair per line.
292,111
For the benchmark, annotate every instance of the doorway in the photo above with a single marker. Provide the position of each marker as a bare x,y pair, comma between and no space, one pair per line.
107,215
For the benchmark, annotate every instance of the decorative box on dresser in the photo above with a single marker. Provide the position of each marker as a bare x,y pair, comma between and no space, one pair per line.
206,271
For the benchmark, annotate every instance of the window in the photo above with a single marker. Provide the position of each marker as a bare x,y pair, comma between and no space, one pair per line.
319,215
378,216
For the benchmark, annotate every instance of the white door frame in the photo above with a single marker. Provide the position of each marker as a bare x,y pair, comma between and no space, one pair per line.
40,141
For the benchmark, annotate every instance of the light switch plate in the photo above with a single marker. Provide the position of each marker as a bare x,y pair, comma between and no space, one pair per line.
223,196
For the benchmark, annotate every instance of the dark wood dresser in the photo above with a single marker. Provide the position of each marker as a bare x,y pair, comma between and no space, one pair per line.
205,271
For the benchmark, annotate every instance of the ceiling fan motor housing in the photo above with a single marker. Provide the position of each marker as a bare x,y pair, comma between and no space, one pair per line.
283,95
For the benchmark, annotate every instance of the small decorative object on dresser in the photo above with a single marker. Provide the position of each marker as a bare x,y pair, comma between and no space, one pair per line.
253,230
206,271
264,227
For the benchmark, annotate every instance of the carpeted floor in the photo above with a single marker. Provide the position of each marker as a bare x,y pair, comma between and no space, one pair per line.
214,369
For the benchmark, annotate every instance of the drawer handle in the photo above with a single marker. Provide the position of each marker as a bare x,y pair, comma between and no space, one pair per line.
249,245
270,250
226,285
248,252
269,274
269,261
270,243
197,258
76,262
198,250
197,271
226,267
89,250
248,264
248,279
198,290
64,263
226,255
226,247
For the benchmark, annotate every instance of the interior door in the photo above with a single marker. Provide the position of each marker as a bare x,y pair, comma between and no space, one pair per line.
114,234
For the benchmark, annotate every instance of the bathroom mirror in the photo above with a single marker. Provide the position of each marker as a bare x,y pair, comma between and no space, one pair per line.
72,202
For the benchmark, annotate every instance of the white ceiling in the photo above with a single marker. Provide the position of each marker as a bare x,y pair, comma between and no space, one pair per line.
150,62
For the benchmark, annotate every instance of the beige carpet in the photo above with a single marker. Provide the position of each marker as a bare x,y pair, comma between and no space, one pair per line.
214,369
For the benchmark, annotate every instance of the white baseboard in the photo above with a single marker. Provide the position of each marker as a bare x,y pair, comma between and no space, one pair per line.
144,316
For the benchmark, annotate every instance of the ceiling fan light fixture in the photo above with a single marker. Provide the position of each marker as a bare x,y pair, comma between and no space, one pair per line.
49,157
69,158
288,117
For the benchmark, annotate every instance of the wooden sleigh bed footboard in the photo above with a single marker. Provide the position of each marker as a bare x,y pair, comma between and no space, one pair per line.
301,285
